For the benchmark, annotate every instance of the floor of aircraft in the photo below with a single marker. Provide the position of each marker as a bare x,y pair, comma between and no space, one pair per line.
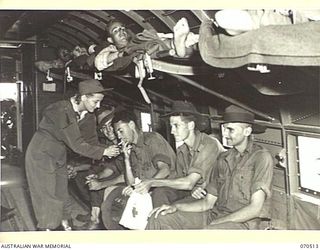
15,194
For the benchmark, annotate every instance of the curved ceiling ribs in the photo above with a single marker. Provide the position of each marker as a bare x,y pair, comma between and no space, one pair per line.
167,20
94,22
88,26
71,33
102,15
140,20
56,39
81,30
62,34
85,27
199,14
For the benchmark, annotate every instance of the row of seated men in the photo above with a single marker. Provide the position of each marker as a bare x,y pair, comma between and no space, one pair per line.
199,185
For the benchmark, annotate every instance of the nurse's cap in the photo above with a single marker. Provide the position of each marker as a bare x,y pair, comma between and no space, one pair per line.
91,86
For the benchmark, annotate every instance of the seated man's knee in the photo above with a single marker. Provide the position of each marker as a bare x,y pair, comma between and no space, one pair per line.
156,223
165,222
227,225
151,223
158,197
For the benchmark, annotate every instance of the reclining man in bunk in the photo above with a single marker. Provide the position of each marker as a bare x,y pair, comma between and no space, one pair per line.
238,194
122,45
146,155
196,156
91,179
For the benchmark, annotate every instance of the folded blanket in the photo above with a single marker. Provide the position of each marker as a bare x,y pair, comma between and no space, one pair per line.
295,45
147,41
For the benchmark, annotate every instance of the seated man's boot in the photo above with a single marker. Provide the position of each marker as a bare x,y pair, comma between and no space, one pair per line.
7,213
66,225
44,229
83,217
94,225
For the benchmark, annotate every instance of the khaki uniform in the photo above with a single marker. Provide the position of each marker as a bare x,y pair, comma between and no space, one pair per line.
236,177
200,160
46,162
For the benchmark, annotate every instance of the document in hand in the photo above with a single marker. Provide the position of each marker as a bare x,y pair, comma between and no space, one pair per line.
135,214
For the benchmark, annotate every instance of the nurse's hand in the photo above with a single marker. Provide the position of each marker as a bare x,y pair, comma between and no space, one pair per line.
112,151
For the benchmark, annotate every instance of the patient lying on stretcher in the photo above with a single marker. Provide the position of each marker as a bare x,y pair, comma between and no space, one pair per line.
182,43
121,43
236,22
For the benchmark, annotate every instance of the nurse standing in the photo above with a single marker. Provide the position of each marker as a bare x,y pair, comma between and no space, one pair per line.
46,155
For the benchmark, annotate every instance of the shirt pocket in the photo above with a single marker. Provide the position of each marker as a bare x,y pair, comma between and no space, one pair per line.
245,183
148,170
221,186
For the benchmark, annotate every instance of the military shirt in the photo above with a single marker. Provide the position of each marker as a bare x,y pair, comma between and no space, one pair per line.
237,176
200,159
150,148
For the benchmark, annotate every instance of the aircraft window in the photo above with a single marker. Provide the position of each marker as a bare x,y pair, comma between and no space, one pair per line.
309,164
8,91
146,122
11,140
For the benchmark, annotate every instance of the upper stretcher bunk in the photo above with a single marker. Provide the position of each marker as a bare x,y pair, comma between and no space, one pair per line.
291,45
275,39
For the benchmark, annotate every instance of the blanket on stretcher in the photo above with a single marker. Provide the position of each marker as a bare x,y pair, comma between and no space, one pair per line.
292,45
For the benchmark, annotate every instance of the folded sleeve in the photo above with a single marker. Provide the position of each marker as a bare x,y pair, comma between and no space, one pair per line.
161,151
262,178
204,160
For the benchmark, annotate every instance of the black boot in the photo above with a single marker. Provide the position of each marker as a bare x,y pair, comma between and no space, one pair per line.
7,213
83,217
44,229
66,225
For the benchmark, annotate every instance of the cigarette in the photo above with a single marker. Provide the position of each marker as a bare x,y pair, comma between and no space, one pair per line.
204,192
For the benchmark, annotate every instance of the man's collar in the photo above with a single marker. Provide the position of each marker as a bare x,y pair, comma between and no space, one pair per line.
75,108
140,140
197,139
249,145
247,150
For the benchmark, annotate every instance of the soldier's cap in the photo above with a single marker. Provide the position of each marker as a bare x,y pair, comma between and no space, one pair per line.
234,114
104,114
182,107
91,86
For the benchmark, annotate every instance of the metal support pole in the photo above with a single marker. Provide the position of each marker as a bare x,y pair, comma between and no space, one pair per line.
152,117
19,115
228,99
36,89
19,41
